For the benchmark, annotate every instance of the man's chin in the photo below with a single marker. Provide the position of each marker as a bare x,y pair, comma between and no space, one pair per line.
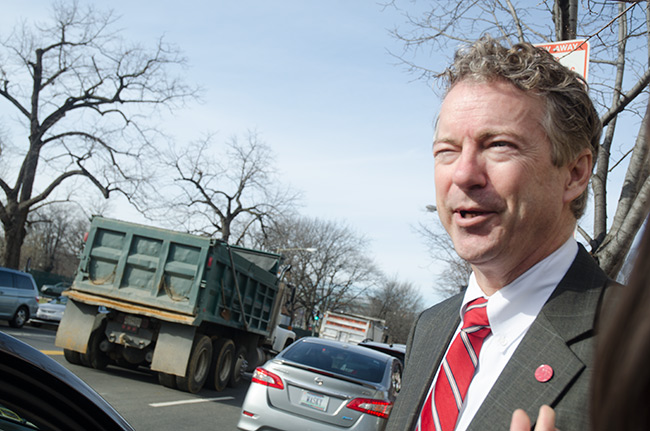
474,254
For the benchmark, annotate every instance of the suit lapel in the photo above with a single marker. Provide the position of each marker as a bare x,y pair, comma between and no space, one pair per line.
431,337
567,317
517,386
435,337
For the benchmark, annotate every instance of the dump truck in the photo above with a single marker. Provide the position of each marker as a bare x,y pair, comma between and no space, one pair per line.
194,309
351,328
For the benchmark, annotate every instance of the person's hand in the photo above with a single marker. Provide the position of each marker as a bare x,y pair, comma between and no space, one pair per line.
545,420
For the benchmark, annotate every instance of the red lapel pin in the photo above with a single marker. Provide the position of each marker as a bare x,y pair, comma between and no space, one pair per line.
543,373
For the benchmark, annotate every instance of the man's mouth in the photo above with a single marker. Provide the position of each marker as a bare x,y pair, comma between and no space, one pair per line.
470,214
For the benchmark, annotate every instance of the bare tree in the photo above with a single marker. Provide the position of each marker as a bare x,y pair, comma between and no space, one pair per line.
619,73
398,303
82,97
453,278
333,274
223,190
54,239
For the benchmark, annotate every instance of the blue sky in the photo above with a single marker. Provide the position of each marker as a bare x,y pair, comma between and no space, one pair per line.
349,127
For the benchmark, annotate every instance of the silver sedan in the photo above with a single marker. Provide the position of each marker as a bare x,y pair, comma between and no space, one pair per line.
50,312
318,384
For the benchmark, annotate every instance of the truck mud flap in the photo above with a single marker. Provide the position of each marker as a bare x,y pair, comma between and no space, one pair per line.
173,348
76,326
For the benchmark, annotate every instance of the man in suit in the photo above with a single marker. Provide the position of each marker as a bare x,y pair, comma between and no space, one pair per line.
515,143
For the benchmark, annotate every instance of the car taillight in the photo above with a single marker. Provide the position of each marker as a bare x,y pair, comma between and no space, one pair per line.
369,406
267,378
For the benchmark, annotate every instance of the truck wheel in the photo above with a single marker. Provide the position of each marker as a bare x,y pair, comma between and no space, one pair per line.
96,358
85,358
72,356
223,358
167,380
20,317
239,366
198,367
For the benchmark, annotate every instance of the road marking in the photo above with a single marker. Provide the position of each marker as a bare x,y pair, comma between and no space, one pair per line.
52,352
200,400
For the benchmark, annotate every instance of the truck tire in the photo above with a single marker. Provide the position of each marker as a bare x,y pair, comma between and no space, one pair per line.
85,358
238,367
198,367
223,358
167,380
72,356
96,358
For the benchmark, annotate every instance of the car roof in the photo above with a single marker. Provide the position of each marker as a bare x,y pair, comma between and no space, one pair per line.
15,271
392,346
350,346
396,350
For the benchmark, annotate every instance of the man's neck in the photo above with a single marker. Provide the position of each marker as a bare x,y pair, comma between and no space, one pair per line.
493,277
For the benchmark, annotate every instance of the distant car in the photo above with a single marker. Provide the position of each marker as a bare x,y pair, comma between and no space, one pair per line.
55,289
50,313
397,350
18,296
325,385
39,393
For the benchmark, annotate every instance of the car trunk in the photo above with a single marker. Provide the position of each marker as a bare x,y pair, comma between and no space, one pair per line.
320,397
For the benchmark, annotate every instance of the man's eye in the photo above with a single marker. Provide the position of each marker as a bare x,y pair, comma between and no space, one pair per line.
439,150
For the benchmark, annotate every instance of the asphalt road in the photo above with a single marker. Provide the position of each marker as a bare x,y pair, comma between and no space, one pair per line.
138,397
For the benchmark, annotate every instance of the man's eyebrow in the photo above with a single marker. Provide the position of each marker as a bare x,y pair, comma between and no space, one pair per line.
445,140
487,134
483,136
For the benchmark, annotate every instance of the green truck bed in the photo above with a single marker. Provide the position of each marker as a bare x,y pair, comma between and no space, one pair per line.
176,277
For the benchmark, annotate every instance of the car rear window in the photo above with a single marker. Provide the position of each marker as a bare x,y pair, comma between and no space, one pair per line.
337,360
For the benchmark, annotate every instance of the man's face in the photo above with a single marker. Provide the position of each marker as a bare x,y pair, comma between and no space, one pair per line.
498,195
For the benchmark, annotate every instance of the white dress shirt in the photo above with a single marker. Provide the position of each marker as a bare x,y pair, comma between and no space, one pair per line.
511,311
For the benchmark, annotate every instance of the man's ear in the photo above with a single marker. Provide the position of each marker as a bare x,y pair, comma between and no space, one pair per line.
579,172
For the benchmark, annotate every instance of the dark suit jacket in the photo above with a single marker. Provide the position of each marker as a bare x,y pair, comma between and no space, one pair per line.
561,336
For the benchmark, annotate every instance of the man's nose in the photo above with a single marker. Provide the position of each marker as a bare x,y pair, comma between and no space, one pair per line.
469,171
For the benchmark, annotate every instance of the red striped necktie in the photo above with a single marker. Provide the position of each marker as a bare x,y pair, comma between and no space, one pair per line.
440,411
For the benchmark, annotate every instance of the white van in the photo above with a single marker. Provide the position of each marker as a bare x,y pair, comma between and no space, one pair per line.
18,297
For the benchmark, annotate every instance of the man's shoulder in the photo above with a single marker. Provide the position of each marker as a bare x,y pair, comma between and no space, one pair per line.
444,305
432,328
609,302
444,310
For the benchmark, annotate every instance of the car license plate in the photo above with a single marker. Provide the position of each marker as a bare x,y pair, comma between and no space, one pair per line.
314,400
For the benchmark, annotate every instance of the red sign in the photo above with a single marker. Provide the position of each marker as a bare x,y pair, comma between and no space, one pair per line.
573,54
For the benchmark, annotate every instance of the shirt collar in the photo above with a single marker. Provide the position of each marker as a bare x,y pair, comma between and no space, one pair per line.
514,307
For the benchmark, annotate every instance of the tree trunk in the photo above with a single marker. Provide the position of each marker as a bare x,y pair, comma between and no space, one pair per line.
14,236
632,207
566,19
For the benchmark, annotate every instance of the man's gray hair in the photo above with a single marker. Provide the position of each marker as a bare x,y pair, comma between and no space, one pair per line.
571,121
